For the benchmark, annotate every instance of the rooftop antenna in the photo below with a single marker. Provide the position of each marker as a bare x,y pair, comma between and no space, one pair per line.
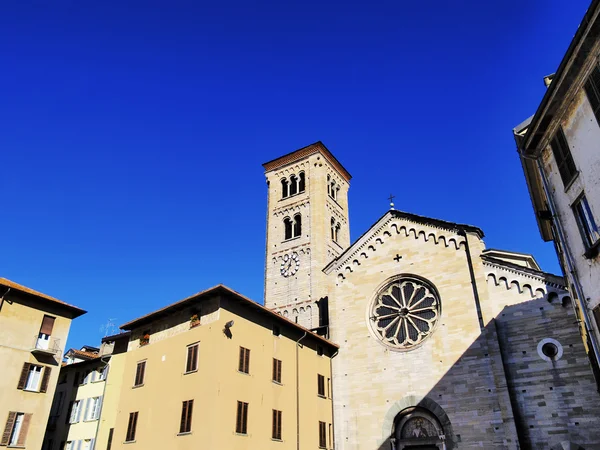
391,199
108,328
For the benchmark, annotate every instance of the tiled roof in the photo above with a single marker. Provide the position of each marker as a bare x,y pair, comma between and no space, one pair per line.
317,147
19,287
220,288
82,354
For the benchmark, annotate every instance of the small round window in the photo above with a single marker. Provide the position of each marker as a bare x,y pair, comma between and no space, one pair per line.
404,312
550,349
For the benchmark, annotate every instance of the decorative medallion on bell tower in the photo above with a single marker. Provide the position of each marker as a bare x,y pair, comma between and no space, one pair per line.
307,226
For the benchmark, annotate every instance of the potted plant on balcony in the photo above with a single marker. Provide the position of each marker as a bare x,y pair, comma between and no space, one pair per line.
144,340
194,321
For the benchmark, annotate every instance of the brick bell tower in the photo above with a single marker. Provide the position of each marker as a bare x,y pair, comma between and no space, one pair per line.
307,226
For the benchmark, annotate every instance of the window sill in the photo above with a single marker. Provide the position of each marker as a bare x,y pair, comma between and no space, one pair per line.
31,390
137,386
276,440
571,181
185,433
241,434
129,442
15,446
244,373
191,371
292,238
322,396
278,383
292,195
592,251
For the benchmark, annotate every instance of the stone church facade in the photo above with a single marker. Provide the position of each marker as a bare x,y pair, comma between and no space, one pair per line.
444,344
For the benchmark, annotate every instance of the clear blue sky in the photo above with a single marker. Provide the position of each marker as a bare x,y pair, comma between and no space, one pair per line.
132,133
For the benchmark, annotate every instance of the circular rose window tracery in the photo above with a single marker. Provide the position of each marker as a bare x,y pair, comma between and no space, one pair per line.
404,313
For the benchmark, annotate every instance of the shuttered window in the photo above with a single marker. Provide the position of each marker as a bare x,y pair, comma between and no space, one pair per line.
276,432
241,422
110,437
186,416
563,157
131,426
192,358
15,429
592,90
47,325
34,378
321,385
322,435
244,365
140,372
276,370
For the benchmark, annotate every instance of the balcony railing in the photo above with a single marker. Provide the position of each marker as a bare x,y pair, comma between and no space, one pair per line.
50,346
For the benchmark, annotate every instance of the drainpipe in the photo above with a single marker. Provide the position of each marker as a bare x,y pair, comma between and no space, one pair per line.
331,387
461,232
569,261
101,404
298,392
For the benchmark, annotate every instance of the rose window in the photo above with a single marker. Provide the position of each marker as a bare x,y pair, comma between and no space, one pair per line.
405,312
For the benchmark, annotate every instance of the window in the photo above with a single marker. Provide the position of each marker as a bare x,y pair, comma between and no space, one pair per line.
276,370
284,188
34,378
192,358
276,330
293,185
332,229
592,90
587,224
75,412
70,445
244,365
110,438
186,417
321,385
15,429
276,432
297,225
322,435
287,228
241,421
563,157
45,332
131,426
140,373
103,373
92,408
301,182
328,387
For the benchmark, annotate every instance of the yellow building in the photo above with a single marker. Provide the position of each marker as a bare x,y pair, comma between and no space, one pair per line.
217,370
33,330
80,395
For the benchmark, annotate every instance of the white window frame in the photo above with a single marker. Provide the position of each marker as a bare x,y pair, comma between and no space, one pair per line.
16,431
34,378
588,227
75,412
103,373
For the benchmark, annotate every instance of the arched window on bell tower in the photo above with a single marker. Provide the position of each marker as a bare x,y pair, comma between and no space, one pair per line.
301,182
293,185
337,232
287,227
284,188
333,229
297,225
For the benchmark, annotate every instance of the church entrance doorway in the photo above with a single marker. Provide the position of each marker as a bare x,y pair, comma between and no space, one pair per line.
417,429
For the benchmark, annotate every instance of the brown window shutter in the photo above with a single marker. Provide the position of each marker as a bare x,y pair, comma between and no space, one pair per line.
279,364
23,377
24,429
188,367
195,367
188,419
247,361
143,373
245,418
274,370
278,424
47,325
10,423
45,379
182,425
110,438
238,419
241,363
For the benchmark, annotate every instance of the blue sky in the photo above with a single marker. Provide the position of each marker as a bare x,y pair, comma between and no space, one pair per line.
132,133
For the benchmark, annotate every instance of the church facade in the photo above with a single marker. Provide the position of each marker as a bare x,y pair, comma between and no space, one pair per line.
444,344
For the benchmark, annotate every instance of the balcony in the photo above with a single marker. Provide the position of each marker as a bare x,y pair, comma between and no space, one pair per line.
48,346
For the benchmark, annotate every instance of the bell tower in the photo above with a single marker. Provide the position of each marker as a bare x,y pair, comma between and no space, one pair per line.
307,226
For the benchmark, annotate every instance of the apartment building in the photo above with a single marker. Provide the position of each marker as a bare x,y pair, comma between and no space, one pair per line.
558,148
217,370
79,400
33,330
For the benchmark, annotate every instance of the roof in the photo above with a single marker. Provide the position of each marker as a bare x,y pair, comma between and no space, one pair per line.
517,258
82,354
569,69
304,152
452,226
211,292
76,312
114,337
548,277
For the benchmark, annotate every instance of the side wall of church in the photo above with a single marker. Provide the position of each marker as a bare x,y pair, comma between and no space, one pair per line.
457,367
555,399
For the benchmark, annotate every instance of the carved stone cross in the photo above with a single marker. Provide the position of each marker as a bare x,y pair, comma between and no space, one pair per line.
397,258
